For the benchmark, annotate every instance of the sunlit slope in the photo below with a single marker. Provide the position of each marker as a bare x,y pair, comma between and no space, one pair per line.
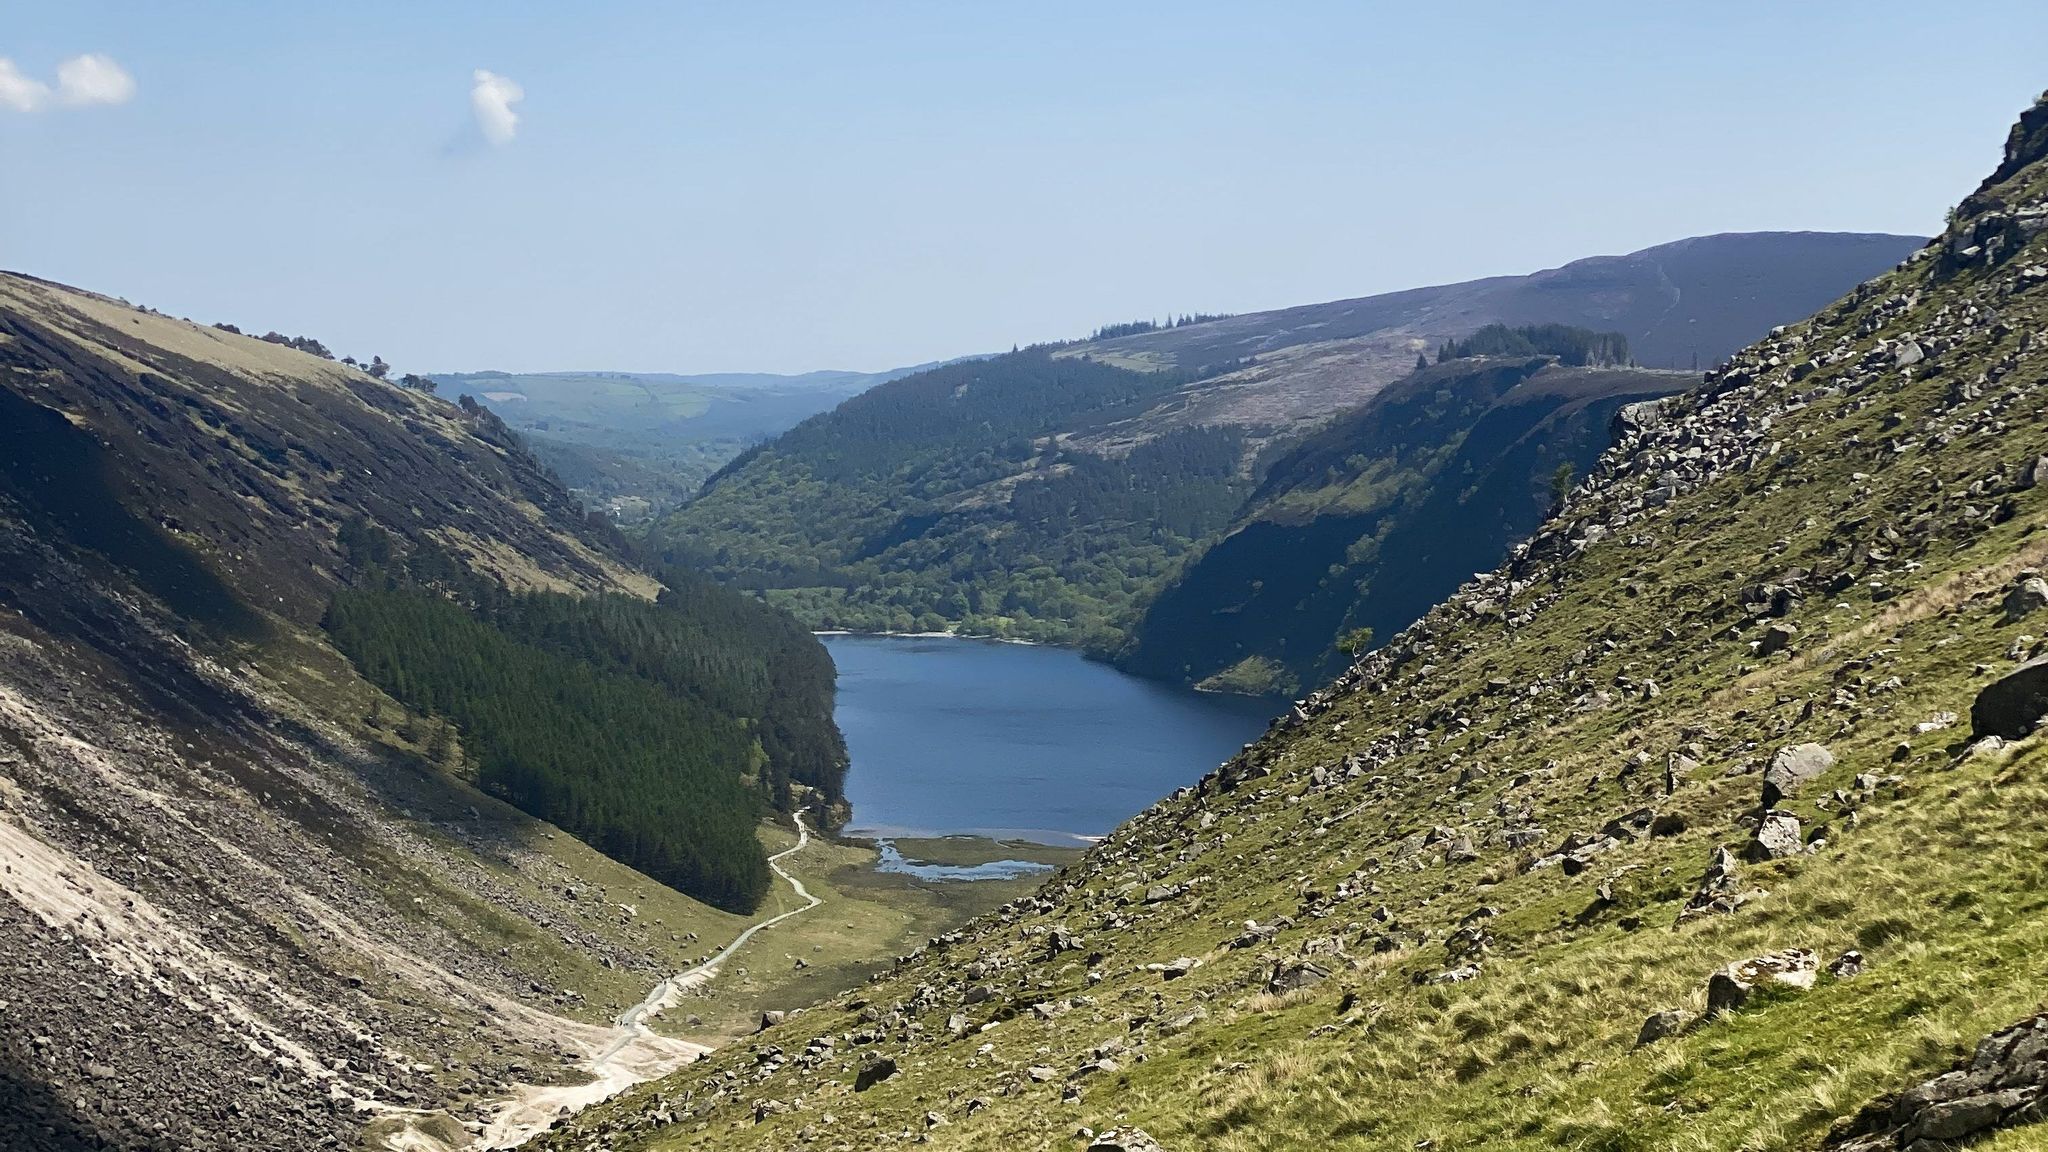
1437,904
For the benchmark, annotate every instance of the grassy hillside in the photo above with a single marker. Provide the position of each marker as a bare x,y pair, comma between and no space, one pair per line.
1031,505
1473,893
1369,521
950,498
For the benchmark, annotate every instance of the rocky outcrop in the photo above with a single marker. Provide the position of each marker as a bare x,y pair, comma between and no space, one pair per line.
2001,1085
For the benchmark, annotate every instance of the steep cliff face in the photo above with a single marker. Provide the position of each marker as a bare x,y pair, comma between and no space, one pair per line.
241,904
1375,518
1664,833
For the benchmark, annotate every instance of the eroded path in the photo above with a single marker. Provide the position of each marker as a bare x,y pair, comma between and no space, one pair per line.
631,1052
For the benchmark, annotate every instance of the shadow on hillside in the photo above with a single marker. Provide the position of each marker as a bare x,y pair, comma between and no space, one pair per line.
34,1116
58,476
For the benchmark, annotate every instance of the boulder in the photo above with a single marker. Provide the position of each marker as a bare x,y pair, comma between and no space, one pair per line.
2029,595
2011,705
874,1068
771,1018
1792,768
1179,968
1720,889
1289,976
1731,987
1847,966
1776,638
1661,1025
1125,1140
1776,838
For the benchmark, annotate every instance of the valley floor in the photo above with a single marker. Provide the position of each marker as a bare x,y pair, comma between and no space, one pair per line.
782,961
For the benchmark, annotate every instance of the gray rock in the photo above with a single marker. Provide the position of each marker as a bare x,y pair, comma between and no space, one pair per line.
1776,838
874,1068
1966,1117
1289,976
1847,966
1793,768
2028,596
1669,1022
1731,986
2013,704
1179,968
1776,638
771,1018
1125,1140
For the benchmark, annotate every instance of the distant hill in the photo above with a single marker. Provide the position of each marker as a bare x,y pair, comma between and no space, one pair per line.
1373,518
1707,295
1681,306
1045,493
637,443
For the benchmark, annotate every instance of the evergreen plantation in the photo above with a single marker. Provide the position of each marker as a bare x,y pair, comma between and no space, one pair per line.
660,733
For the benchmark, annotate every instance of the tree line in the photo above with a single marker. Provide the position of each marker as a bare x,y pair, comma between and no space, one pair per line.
1573,346
657,732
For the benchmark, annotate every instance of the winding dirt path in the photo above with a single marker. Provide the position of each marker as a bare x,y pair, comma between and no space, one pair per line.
634,1053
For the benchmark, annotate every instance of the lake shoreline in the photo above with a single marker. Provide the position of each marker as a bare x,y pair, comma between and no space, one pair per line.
1015,741
941,636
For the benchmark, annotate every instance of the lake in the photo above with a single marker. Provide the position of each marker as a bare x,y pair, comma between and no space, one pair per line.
976,737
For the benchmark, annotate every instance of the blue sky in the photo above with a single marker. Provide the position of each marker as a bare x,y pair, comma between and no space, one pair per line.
781,186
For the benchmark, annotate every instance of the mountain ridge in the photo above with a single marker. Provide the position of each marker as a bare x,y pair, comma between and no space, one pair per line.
1044,525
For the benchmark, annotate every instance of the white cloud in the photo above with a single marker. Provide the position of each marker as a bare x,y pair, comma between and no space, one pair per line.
20,92
491,98
94,79
81,80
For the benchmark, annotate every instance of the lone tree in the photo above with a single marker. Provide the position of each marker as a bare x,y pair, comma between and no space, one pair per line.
1355,643
1560,485
417,382
378,367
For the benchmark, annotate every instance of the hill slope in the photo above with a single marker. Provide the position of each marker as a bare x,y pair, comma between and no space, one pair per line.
1472,892
248,898
639,443
1020,508
1370,520
952,496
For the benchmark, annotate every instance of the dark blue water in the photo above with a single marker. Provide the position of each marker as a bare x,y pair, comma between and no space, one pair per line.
968,736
